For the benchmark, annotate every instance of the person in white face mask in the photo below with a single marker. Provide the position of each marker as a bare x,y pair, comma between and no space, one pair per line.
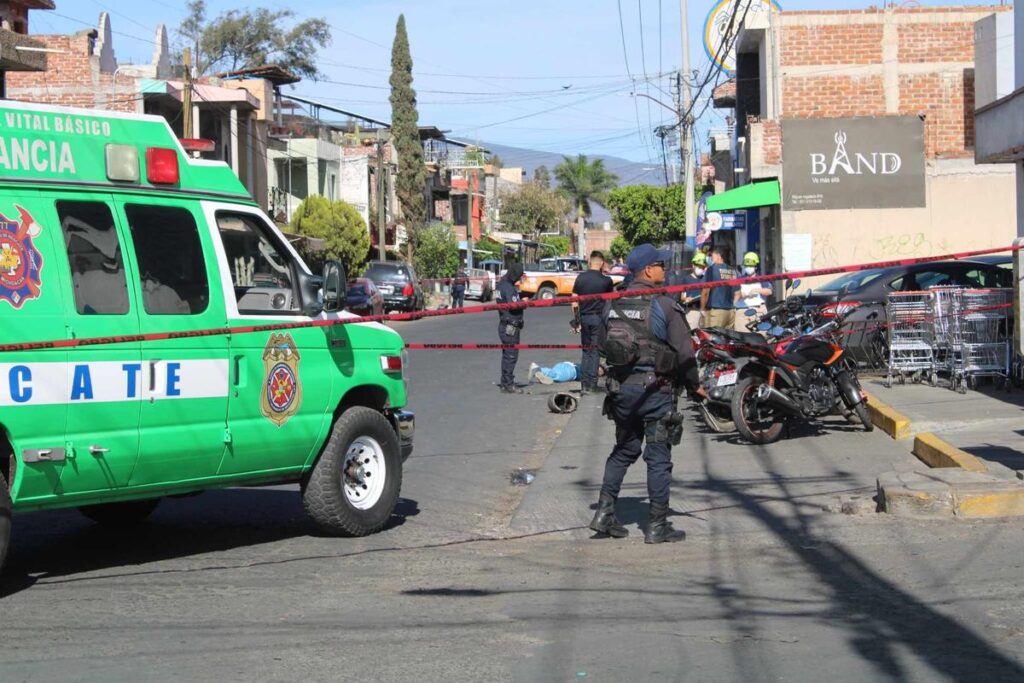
691,298
751,295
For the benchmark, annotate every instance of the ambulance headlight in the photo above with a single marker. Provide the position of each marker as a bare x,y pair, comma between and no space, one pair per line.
122,163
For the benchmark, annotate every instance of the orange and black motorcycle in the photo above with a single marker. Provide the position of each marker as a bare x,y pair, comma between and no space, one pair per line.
803,376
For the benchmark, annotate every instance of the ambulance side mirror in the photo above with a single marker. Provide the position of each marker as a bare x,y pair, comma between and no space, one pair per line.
333,286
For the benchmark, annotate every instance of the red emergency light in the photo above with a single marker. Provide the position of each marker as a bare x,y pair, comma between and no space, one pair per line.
162,165
198,144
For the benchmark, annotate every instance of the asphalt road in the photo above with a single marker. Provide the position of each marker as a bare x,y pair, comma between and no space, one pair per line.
477,579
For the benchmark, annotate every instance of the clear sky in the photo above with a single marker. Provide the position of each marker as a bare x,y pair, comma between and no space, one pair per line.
549,75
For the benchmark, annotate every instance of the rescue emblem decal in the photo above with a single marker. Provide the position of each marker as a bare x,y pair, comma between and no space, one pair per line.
20,262
282,390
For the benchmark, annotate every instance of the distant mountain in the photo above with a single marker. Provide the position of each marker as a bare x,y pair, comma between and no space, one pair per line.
629,172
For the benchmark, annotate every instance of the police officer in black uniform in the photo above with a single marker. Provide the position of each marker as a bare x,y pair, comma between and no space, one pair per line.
510,323
586,318
650,356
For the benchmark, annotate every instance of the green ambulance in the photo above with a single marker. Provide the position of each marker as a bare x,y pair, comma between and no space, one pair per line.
110,231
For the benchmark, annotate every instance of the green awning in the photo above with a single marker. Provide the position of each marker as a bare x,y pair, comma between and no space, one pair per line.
748,196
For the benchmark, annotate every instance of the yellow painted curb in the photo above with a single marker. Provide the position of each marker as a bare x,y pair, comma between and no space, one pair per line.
1007,503
936,452
888,419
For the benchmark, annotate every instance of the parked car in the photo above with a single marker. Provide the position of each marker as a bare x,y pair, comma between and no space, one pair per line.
481,284
398,284
363,298
869,288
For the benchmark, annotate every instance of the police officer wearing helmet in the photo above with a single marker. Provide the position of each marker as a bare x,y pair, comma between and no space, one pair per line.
691,297
752,295
510,323
649,354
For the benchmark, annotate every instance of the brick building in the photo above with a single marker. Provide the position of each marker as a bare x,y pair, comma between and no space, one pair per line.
18,52
856,129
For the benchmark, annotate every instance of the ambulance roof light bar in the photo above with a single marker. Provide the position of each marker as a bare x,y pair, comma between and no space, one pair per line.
198,144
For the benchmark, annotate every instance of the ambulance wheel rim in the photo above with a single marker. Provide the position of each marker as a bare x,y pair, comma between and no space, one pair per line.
364,473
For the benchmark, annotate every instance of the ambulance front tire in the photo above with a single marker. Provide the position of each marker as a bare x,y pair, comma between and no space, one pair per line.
128,513
341,494
5,520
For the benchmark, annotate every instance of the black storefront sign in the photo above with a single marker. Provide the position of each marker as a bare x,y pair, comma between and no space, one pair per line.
853,163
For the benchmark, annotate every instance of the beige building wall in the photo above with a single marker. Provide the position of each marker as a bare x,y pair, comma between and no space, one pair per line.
969,207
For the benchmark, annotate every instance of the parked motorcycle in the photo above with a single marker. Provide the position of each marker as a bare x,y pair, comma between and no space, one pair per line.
717,352
800,376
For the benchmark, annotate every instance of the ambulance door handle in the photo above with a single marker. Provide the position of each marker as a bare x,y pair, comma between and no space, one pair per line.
98,450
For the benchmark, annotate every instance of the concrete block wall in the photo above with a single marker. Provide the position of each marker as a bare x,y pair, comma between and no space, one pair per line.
876,62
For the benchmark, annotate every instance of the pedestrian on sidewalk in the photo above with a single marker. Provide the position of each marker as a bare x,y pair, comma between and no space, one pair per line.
718,303
650,356
459,283
510,324
586,318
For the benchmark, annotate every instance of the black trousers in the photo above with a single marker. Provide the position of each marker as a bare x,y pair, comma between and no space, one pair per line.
458,297
590,327
509,357
636,412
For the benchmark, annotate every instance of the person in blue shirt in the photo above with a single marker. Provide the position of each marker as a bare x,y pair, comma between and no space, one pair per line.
718,303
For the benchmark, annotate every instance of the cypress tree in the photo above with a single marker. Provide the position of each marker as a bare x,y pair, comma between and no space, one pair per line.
411,183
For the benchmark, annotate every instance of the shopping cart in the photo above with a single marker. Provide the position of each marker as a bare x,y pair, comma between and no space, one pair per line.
976,337
911,337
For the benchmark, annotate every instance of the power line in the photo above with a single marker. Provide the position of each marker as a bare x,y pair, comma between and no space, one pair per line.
625,58
643,63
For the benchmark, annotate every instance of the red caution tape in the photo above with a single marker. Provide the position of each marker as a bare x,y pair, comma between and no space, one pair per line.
533,303
415,346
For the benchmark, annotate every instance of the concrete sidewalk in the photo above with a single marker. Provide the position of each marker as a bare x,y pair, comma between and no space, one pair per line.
988,423
817,473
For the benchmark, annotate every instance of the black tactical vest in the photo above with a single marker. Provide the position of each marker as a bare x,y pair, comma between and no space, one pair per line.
630,343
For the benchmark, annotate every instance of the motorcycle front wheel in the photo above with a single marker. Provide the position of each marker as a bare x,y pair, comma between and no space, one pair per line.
758,423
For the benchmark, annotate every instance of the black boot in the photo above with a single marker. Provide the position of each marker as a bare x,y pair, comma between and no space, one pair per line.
659,529
605,521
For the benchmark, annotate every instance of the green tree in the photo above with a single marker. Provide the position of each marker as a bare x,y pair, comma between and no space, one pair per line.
620,248
584,182
645,213
561,243
411,183
494,160
488,245
437,252
542,176
241,39
339,225
532,209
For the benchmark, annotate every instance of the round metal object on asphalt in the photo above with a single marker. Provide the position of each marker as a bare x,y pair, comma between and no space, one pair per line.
562,403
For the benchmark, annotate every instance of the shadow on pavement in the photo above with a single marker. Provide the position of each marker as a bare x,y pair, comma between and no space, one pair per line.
62,543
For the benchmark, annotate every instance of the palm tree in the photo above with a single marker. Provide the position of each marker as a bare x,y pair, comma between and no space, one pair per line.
584,182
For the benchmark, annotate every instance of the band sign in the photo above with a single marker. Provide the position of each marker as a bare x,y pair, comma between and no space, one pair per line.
853,163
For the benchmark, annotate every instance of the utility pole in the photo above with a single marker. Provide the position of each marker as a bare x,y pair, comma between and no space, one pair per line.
470,197
686,120
186,97
382,188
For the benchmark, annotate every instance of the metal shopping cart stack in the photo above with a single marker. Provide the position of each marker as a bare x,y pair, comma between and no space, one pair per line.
977,339
911,336
947,304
